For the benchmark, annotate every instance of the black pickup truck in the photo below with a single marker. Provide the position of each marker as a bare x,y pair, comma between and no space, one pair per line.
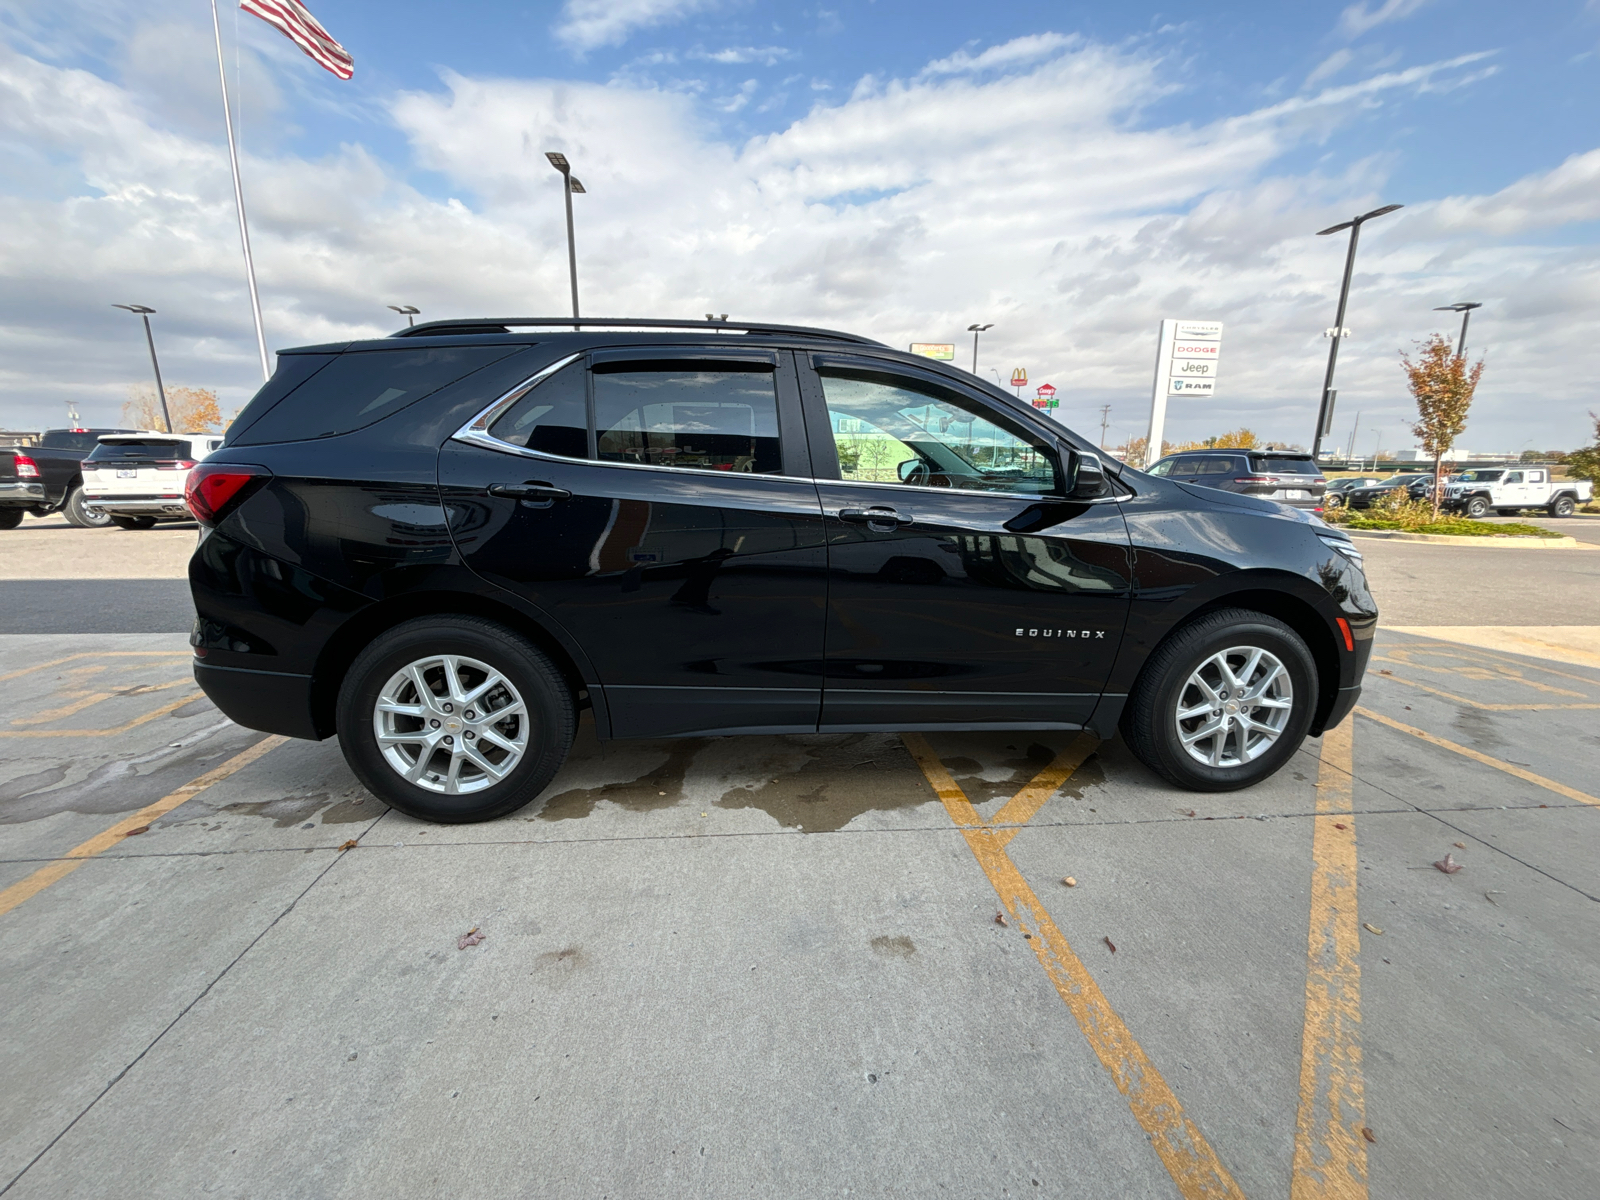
47,478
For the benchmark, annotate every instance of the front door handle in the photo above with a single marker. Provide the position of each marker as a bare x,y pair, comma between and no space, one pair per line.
878,517
528,491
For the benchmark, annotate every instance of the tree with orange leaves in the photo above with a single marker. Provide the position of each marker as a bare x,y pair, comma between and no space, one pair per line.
1442,385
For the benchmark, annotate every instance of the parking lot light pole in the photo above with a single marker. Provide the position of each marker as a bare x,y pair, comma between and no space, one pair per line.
1465,308
407,311
975,330
144,314
569,187
1337,333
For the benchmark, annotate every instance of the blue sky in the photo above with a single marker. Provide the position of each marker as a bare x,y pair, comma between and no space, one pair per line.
1070,171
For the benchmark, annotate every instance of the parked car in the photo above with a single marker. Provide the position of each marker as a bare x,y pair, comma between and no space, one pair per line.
1281,475
1416,487
1334,496
443,544
137,479
48,478
1510,490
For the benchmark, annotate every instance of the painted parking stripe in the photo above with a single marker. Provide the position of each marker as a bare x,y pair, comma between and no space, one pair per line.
1330,1154
56,662
103,841
1559,789
1186,1154
1022,807
123,728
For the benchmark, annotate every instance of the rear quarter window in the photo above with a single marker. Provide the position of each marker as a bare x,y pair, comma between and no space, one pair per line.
356,389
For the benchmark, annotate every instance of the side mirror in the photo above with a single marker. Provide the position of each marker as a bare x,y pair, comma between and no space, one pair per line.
906,467
1089,477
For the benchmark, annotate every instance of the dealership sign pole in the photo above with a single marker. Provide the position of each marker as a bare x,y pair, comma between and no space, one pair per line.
1187,354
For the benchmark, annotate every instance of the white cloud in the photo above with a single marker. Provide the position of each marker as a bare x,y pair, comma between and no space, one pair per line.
731,55
589,24
1329,67
1369,14
1028,196
1008,54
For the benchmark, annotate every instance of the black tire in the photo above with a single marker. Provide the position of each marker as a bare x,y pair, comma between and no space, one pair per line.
1507,512
550,714
10,518
1477,507
76,514
1149,723
1562,506
134,522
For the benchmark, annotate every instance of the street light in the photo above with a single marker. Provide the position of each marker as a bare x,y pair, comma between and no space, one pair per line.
1338,333
570,186
407,311
144,315
975,330
1465,308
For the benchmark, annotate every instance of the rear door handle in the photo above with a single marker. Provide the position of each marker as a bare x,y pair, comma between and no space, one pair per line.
878,515
528,491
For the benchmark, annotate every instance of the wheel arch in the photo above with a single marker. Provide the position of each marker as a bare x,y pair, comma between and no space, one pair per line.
357,633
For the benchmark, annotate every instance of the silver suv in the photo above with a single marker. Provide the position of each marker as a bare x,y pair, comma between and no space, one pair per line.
1283,475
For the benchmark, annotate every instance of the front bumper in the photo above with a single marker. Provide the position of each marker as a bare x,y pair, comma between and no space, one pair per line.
21,493
271,701
164,507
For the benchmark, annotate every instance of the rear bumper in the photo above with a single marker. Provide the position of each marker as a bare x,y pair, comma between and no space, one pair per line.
137,508
21,494
270,701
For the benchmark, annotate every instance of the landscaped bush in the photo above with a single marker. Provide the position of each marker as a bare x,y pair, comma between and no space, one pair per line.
1396,511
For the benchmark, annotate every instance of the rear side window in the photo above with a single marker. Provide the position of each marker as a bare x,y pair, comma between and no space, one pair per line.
1212,466
678,413
1162,467
552,418
1284,464
145,450
66,439
361,387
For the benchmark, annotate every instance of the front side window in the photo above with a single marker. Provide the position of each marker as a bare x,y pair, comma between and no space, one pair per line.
890,429
714,416
1513,477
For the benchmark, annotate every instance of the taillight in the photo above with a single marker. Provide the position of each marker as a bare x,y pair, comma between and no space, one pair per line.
182,464
213,489
1257,479
26,467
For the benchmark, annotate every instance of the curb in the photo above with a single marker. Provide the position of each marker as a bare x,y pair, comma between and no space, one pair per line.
1502,541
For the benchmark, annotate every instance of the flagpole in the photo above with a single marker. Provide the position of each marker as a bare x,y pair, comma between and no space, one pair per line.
238,199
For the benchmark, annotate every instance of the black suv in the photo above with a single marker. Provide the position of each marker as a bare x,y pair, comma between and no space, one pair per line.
442,545
1282,475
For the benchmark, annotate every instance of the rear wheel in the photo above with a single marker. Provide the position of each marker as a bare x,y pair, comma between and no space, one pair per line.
134,522
85,518
1224,703
1506,512
454,719
10,518
1562,506
1477,507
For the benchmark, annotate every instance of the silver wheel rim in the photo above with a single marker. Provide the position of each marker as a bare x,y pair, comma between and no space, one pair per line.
1234,707
450,724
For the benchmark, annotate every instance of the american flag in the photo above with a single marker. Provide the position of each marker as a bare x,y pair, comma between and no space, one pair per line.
300,27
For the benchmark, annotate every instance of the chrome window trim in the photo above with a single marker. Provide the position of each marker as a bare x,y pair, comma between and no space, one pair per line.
480,423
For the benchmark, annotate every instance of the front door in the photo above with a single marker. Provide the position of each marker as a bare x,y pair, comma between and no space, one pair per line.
965,589
656,504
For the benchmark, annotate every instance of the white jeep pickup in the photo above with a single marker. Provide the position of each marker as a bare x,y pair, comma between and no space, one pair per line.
1508,490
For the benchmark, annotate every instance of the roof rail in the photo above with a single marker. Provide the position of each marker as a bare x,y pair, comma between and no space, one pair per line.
506,324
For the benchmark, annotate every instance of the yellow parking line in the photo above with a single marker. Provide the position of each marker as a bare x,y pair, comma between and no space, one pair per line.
123,728
1330,1155
1560,789
1480,704
90,699
75,858
56,662
1185,1153
1022,807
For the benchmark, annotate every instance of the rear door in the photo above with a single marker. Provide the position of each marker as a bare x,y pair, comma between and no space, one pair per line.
656,504
964,589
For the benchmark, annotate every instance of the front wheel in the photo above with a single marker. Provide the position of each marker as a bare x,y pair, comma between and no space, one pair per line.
454,719
1562,506
1477,507
1224,703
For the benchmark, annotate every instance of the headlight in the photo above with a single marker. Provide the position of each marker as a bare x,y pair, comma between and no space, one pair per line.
1343,545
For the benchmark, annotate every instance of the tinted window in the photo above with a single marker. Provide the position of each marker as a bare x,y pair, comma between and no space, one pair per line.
683,414
1213,466
65,439
1513,477
1276,464
891,429
293,370
361,387
145,449
551,418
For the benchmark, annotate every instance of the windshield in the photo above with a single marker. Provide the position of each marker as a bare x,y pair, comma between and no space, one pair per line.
1479,476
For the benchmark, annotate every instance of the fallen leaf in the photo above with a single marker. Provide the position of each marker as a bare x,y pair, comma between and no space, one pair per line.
1385,671
1368,1134
1110,945
999,918
1336,825
1187,812
1372,929
1069,881
138,831
1408,708
350,845
470,938
1447,864
1459,845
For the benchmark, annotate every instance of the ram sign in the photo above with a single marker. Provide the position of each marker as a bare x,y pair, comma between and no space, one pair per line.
1187,356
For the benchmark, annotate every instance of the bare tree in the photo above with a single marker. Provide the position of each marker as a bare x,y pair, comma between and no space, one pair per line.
1442,385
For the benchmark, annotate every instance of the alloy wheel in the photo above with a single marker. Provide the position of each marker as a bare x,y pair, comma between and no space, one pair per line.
450,724
1234,706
